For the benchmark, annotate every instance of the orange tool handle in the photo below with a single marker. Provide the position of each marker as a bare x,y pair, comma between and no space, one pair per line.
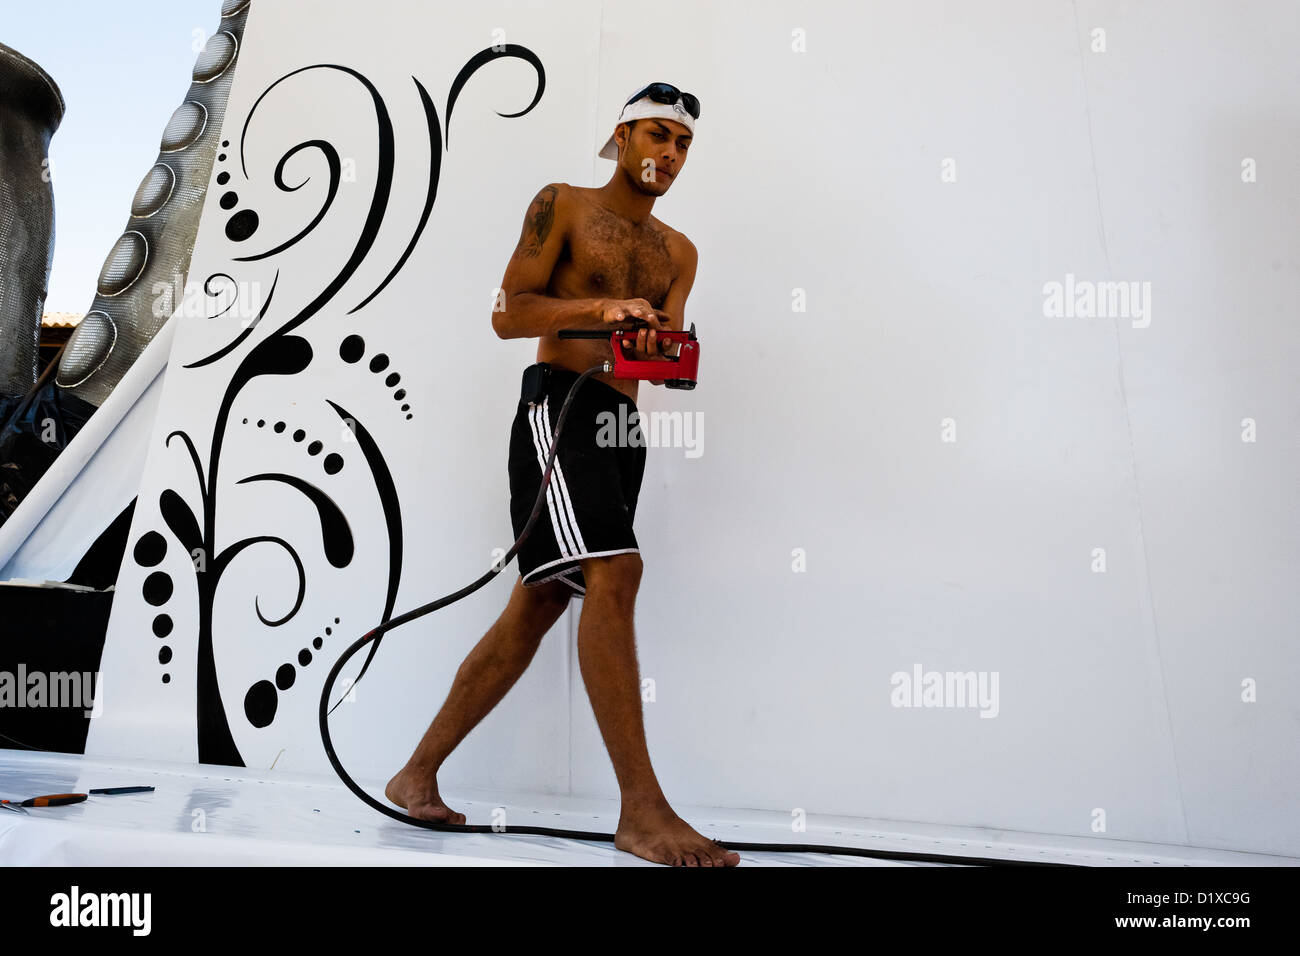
54,800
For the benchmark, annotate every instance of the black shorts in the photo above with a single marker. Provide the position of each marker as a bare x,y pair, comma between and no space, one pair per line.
591,500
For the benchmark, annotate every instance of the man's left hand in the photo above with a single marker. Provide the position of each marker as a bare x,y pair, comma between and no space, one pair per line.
645,346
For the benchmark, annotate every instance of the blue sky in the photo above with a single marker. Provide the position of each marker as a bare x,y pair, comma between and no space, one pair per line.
123,68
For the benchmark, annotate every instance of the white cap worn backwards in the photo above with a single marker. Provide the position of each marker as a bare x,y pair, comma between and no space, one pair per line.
646,108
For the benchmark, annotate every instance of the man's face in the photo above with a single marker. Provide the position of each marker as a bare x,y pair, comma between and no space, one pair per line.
654,153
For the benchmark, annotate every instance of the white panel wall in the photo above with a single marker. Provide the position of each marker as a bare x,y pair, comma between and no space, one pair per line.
1119,690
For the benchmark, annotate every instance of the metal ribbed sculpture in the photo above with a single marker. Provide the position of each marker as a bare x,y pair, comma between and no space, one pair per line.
31,109
154,250
156,245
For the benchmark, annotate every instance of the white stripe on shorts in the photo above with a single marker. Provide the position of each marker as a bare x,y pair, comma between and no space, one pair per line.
557,477
563,522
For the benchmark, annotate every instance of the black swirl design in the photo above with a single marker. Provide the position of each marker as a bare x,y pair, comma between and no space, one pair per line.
336,537
281,352
221,353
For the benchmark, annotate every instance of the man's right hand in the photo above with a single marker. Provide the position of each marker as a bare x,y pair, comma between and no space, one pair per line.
619,311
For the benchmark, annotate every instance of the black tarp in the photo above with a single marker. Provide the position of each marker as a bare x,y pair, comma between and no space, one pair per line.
31,441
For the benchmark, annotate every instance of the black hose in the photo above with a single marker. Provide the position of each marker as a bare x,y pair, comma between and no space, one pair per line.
497,568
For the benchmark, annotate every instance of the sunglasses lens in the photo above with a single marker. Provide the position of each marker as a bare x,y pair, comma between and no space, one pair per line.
667,93
663,93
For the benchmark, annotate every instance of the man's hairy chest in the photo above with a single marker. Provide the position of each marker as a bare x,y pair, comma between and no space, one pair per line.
609,256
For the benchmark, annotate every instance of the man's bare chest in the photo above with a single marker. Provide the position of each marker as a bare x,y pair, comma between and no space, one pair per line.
609,256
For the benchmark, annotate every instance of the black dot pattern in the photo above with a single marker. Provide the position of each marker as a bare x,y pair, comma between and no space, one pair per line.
149,552
263,698
243,224
333,462
353,349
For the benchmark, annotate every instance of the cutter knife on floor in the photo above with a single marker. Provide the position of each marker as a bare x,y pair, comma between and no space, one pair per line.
48,800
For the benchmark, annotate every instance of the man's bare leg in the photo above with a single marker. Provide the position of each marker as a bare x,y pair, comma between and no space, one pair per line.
647,825
486,674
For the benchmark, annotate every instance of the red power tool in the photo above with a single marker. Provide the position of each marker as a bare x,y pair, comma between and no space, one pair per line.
676,371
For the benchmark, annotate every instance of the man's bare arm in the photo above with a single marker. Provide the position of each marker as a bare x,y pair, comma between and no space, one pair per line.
529,312
674,309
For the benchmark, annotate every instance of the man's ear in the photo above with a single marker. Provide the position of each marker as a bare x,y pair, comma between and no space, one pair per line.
626,129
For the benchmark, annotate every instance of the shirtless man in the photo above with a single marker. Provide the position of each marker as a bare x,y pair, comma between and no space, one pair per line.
587,259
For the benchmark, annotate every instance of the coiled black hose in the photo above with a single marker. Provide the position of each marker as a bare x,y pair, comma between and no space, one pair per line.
376,633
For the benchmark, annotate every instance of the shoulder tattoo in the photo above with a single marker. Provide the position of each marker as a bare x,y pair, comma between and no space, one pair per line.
541,218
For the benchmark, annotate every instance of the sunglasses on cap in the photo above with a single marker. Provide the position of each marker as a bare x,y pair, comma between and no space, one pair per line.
667,93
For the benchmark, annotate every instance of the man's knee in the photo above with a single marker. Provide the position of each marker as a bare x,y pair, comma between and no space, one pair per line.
549,598
618,574
534,610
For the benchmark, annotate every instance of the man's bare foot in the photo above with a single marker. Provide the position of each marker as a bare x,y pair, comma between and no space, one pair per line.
417,794
657,834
